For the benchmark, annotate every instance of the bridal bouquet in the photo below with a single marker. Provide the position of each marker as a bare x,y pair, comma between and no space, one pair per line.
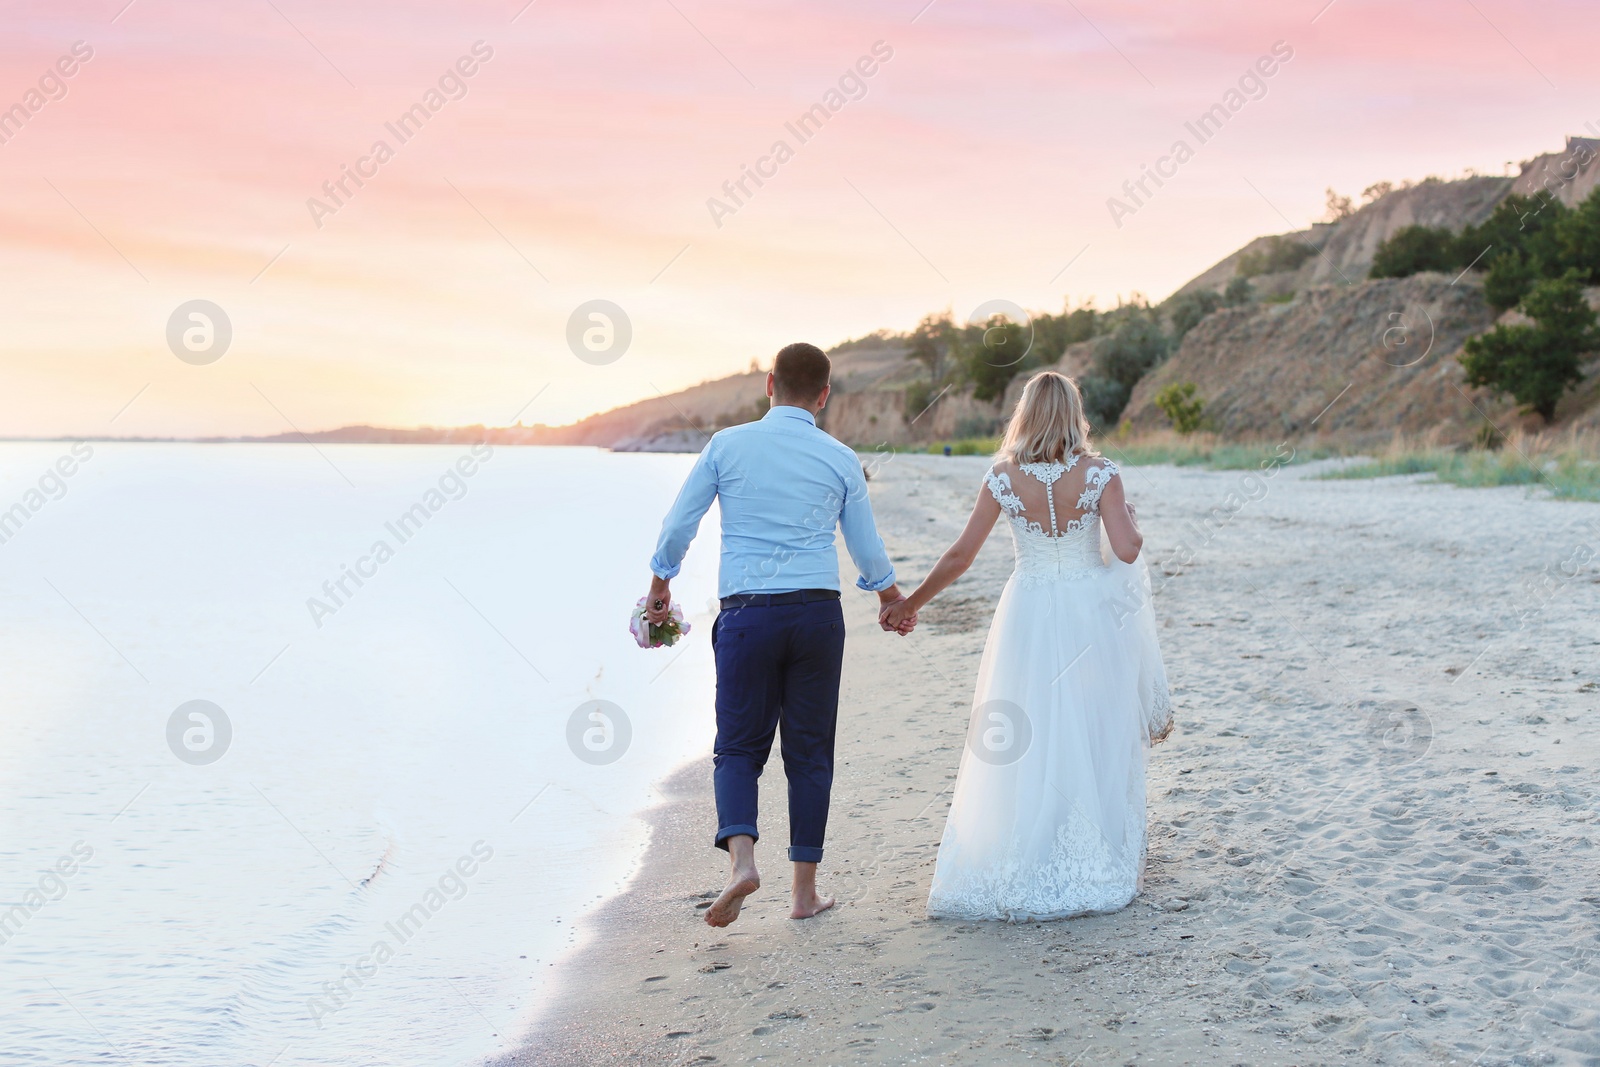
652,635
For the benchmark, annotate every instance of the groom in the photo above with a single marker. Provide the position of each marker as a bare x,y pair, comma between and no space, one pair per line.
783,487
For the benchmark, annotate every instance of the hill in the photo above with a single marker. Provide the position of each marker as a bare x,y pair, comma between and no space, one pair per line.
1283,328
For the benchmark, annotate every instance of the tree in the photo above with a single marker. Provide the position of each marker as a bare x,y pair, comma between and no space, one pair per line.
1179,404
1103,401
1536,364
1558,306
1123,357
1053,333
1239,291
1339,207
994,357
919,398
1278,254
1508,281
1414,248
1519,225
1133,349
1185,312
1577,240
930,344
1377,191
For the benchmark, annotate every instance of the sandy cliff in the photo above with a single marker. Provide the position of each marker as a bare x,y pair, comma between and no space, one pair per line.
1386,349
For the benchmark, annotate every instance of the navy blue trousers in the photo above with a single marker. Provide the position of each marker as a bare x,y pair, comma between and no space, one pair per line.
777,673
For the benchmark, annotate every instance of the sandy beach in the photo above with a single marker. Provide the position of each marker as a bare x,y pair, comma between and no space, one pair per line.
1371,833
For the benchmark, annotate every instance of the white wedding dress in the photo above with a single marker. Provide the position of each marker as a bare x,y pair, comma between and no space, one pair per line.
1048,817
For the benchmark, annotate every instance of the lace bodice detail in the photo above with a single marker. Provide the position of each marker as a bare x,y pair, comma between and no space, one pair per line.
1066,549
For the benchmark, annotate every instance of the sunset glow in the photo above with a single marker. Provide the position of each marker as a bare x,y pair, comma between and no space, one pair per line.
399,205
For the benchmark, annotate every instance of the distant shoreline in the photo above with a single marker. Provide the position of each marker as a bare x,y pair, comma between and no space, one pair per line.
548,436
498,436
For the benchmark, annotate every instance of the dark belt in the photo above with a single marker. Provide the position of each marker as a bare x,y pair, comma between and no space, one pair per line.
772,600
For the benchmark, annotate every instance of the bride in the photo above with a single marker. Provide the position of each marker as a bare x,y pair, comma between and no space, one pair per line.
1048,817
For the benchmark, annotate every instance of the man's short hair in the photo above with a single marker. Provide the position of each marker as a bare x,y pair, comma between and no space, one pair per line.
800,372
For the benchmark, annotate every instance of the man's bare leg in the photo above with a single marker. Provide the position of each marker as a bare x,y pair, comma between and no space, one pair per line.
806,901
743,879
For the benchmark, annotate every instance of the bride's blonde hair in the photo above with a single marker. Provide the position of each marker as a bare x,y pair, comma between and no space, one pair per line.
1049,424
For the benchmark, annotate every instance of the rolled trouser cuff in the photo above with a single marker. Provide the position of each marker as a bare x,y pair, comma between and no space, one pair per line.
804,854
734,831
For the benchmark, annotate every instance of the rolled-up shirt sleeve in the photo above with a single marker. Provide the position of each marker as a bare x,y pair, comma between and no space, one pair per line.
683,520
861,535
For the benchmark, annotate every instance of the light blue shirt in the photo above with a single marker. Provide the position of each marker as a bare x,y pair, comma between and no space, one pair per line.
783,486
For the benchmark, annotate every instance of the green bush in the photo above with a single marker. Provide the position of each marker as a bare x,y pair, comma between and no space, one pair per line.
1577,238
1523,226
1508,281
994,356
930,345
1185,312
1239,291
919,395
1103,401
1415,248
1280,253
1126,355
1053,333
1536,364
1178,403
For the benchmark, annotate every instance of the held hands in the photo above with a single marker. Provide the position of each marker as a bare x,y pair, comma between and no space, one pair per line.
898,617
895,613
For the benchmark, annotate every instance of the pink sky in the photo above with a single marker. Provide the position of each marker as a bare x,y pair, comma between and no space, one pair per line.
579,162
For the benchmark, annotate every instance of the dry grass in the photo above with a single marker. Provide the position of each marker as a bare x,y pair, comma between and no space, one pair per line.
1166,447
1566,463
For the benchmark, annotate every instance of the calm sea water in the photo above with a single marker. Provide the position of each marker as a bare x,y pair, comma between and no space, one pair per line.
370,842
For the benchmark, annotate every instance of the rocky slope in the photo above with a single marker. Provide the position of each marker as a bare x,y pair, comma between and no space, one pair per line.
1344,249
1353,362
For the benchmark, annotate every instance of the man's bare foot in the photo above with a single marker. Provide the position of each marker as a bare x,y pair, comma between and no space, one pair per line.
741,883
807,904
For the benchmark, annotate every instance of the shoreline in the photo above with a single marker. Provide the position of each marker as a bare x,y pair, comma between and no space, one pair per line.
554,1032
1365,844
